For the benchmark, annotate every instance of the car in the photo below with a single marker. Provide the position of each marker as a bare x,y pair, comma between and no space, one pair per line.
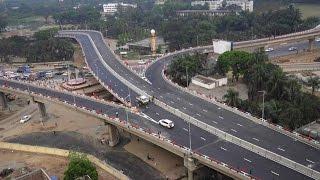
143,100
142,62
293,48
25,118
318,40
269,50
166,123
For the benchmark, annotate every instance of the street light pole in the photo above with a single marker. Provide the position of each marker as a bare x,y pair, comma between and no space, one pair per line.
263,94
187,76
190,145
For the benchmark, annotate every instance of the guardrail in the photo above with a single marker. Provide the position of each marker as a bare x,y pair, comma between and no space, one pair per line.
147,134
63,153
258,150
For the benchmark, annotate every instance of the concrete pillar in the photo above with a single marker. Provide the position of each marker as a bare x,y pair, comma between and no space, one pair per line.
3,100
311,44
42,109
113,135
191,166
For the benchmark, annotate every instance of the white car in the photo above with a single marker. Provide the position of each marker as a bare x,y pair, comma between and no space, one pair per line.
141,62
25,118
166,123
269,50
318,40
293,48
143,100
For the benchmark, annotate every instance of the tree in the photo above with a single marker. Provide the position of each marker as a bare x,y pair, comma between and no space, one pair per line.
276,84
314,82
79,166
3,23
232,98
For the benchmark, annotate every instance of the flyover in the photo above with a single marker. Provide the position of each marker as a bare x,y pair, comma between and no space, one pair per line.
103,61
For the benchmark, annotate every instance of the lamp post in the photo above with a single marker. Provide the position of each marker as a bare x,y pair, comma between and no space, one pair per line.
190,143
187,76
263,94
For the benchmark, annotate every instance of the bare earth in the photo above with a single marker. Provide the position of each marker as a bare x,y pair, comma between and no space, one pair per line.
53,165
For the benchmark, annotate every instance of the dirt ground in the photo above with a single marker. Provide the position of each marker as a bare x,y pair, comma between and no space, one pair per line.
53,165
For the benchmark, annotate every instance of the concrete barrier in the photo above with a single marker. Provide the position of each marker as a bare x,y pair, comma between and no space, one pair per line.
62,153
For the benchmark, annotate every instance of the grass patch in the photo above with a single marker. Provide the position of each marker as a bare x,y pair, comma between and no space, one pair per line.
309,10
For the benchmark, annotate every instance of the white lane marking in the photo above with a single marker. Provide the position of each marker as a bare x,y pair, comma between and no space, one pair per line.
157,114
220,117
198,115
281,149
234,130
274,173
202,138
184,108
247,160
310,161
215,122
185,129
239,125
190,104
223,148
204,110
256,139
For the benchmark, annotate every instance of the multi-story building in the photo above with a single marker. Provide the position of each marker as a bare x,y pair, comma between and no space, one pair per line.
112,8
246,5
184,13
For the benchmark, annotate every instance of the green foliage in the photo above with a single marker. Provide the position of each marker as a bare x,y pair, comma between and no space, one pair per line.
184,68
82,15
45,34
3,23
232,98
79,166
44,48
238,61
314,82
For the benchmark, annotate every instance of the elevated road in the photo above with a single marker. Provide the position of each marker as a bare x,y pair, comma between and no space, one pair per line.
129,83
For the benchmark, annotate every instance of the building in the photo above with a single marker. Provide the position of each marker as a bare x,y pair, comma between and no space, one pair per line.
184,13
209,82
144,46
159,2
112,8
246,5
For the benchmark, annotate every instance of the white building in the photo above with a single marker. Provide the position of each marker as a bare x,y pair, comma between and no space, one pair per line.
112,8
246,5
209,82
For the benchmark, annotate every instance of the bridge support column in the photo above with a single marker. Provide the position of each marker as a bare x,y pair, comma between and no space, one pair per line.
191,166
42,109
311,44
113,135
3,100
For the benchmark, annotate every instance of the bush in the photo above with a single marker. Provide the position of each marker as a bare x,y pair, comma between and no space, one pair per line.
79,166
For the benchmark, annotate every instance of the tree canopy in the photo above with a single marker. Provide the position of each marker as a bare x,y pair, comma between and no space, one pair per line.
79,166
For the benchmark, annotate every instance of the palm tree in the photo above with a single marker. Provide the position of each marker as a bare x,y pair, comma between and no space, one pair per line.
276,84
292,90
232,97
314,82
